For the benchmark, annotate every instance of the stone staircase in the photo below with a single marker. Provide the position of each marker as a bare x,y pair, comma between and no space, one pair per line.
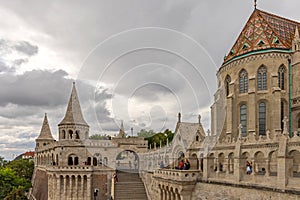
129,187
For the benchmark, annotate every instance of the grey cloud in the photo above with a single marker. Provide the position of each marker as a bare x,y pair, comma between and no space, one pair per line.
26,48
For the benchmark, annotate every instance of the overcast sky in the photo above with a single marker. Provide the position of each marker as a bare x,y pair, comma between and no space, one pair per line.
139,61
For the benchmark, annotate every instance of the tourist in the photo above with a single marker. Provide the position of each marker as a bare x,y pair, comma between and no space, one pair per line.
180,165
248,167
186,165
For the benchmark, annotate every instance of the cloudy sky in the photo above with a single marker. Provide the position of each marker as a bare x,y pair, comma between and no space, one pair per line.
139,61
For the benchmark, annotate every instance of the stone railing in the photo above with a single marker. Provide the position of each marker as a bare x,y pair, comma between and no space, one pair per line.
177,175
71,168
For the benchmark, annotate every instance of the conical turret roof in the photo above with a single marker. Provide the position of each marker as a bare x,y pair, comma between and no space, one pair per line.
73,114
263,31
45,131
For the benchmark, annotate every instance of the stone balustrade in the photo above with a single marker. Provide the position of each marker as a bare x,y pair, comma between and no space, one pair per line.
178,175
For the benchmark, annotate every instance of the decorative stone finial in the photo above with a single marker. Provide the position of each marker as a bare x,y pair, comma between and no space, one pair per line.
240,130
255,4
199,119
285,125
179,117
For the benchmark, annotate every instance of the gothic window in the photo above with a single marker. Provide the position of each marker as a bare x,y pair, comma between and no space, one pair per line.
227,82
243,81
243,118
197,138
281,77
262,78
262,118
299,122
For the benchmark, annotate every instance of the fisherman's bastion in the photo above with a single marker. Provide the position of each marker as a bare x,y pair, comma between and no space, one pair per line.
255,118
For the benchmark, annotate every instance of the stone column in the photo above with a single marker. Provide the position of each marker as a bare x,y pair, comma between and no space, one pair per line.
237,168
229,115
253,166
227,166
251,117
76,187
65,187
58,189
275,109
89,187
267,167
205,168
82,187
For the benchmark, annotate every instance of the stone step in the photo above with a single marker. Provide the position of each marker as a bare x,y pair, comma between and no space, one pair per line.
130,187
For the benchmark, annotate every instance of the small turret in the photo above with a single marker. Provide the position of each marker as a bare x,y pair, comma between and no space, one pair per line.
73,126
45,136
296,41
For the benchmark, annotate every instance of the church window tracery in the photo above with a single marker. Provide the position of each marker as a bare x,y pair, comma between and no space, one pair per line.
227,83
243,118
243,81
262,118
281,77
262,78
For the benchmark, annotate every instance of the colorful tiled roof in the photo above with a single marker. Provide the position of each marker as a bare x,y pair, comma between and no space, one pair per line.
264,31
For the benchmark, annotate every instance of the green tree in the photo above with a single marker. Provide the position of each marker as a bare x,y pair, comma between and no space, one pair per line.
22,167
100,137
156,138
2,161
11,185
145,134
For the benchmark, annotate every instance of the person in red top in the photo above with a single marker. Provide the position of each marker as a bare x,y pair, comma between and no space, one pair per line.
180,165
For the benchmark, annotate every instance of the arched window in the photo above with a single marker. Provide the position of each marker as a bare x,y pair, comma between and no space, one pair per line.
70,160
70,134
227,83
281,77
77,134
76,161
262,78
197,138
63,134
243,118
243,81
262,118
299,122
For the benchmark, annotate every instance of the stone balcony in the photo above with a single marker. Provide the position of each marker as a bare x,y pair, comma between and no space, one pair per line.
178,175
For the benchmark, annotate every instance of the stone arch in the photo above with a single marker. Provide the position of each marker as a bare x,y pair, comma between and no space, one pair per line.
259,163
273,163
194,161
230,167
127,160
221,162
295,165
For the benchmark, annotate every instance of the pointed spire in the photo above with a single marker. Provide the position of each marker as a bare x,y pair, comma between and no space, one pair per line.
73,114
45,131
296,37
122,131
255,4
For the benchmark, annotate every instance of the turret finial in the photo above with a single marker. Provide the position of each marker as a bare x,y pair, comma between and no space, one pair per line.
255,4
